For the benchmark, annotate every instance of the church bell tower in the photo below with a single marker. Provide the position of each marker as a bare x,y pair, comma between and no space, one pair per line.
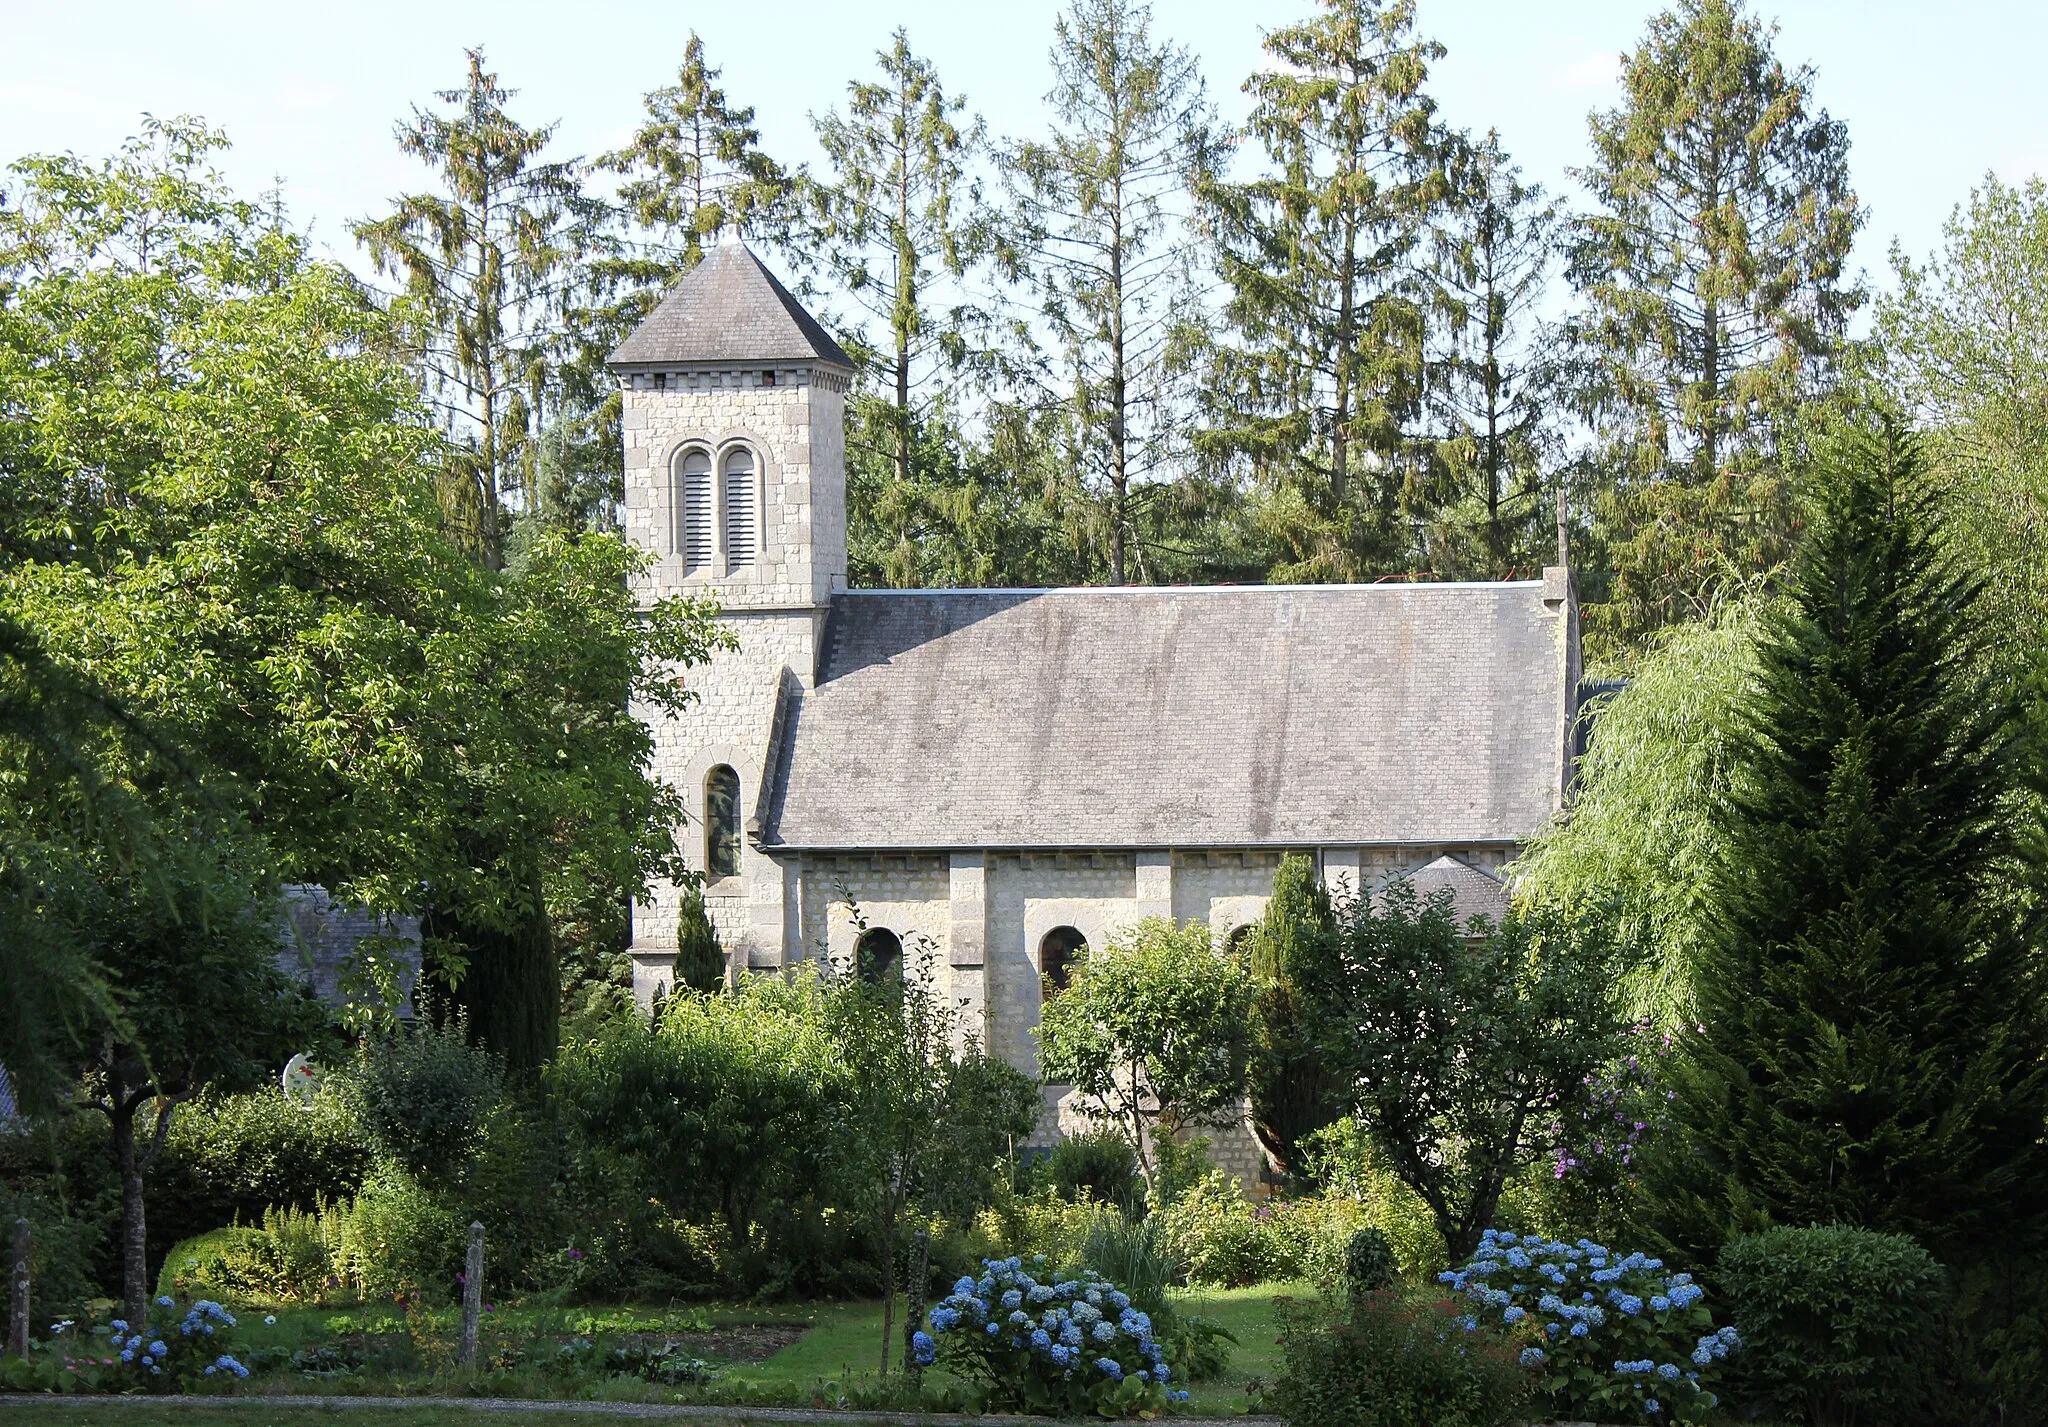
734,432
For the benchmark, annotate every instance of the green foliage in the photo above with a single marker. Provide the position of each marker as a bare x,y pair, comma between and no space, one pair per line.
700,960
422,1096
1715,268
1369,1263
1224,1240
1838,1323
1293,1093
396,1238
1463,1060
1153,1027
1320,394
1963,344
1094,1164
1871,1050
1647,815
282,1259
232,1157
1391,1361
1350,1165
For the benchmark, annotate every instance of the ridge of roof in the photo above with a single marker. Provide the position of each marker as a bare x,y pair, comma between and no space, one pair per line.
728,310
930,592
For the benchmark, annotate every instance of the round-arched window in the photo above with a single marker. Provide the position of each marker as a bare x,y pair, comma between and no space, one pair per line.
878,955
721,823
742,514
691,504
1058,950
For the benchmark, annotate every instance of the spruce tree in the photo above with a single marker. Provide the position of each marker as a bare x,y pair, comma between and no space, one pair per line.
1871,1041
1320,391
1292,1093
1714,272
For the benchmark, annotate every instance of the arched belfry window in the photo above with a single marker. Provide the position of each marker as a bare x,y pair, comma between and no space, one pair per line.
1058,950
721,823
742,511
878,955
692,507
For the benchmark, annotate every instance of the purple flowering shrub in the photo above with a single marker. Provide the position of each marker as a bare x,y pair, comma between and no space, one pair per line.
1067,1345
1606,1335
175,1351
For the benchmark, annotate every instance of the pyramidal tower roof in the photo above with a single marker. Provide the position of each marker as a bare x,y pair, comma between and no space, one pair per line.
728,310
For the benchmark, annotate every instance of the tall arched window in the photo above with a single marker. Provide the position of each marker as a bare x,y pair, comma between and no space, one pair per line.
878,955
1058,950
721,823
692,506
742,512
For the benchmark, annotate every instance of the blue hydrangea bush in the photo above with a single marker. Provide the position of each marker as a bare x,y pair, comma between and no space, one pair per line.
1067,1345
177,1350
1610,1336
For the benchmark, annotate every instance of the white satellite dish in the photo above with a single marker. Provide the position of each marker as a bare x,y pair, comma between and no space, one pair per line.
301,1081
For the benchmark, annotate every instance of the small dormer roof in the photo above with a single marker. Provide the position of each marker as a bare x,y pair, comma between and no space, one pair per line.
729,310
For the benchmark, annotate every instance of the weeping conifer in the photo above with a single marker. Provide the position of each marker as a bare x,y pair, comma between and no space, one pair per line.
1871,1040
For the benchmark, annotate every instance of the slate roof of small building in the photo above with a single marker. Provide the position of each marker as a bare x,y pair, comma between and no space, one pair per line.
1222,716
728,310
1473,893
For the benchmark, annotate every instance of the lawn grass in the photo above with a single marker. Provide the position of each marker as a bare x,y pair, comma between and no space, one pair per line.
84,1412
834,1364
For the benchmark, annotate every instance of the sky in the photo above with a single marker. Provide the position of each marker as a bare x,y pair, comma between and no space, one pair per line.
1934,96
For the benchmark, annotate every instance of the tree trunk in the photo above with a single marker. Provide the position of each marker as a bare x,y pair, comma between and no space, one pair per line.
134,1215
1119,454
1340,418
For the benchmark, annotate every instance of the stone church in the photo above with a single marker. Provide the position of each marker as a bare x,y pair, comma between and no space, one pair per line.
1001,777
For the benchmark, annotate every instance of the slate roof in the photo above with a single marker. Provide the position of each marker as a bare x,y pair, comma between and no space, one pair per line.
1221,716
1473,893
729,309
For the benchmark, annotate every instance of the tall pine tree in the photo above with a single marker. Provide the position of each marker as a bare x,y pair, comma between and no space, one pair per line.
1099,206
1322,387
1871,1042
1714,273
490,262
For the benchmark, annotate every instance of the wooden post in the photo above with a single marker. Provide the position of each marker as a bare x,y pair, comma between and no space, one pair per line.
913,1308
17,1338
472,1294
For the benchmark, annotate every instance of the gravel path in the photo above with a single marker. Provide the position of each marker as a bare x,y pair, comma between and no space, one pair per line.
643,1410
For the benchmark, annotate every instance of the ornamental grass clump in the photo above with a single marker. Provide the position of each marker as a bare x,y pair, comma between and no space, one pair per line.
1067,1345
1603,1333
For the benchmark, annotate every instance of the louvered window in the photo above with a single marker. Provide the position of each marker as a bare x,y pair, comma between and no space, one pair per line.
693,510
741,514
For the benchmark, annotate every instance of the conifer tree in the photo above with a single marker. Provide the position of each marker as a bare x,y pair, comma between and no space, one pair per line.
700,960
898,226
1871,1042
1714,272
1492,384
1323,385
1292,1093
1099,208
489,264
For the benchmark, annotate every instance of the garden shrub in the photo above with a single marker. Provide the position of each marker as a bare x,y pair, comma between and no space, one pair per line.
1095,1164
230,1157
1037,1340
1344,1160
176,1350
1037,1225
1226,1241
395,1238
281,1260
1840,1322
423,1095
1369,1263
1604,1335
1387,1361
